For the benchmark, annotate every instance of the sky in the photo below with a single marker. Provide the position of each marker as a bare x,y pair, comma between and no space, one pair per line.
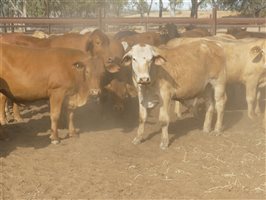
155,6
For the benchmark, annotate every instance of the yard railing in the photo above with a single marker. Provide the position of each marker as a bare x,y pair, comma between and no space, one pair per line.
213,22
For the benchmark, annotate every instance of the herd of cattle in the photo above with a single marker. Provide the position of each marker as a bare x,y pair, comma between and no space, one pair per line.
157,67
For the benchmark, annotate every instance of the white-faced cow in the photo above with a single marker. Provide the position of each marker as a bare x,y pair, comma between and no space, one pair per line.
162,75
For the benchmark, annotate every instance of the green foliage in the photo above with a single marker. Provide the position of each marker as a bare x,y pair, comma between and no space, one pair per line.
254,8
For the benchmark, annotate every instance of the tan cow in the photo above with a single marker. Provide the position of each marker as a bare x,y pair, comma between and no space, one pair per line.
241,33
245,62
28,74
180,73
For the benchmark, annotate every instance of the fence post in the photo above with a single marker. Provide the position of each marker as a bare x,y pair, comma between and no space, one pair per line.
100,17
214,20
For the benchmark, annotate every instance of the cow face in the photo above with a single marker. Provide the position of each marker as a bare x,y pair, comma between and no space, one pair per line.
110,51
142,57
94,74
258,55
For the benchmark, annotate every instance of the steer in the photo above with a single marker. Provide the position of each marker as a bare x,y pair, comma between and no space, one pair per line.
57,74
162,75
97,43
245,62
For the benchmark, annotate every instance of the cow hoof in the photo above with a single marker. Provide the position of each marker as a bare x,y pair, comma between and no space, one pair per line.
217,132
55,141
136,141
75,135
206,130
163,146
19,120
3,122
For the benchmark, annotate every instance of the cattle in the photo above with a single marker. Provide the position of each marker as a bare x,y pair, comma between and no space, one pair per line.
109,50
196,32
40,34
149,37
168,32
68,40
118,92
121,34
57,74
96,43
164,74
240,33
245,62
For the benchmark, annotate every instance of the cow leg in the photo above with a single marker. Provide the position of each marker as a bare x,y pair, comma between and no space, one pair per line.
56,101
209,102
164,118
178,109
16,113
265,117
3,100
143,114
251,91
220,100
257,108
71,127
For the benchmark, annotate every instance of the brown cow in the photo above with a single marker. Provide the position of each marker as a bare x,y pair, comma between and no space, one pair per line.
29,74
97,43
68,40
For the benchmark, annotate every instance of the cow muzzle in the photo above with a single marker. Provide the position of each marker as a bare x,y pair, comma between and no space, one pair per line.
144,81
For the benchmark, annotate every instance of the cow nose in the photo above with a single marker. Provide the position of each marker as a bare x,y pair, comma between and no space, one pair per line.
144,80
95,92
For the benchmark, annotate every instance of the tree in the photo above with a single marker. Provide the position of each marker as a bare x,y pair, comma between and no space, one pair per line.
194,8
141,5
173,4
160,8
255,8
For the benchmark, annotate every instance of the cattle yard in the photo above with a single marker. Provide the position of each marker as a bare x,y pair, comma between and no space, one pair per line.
102,163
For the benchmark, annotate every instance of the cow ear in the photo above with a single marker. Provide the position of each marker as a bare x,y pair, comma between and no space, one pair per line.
131,90
113,68
126,60
125,45
256,53
99,35
159,60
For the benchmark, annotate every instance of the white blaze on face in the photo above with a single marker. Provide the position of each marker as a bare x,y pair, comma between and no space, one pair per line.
142,56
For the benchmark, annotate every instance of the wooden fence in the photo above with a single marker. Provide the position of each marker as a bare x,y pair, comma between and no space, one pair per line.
213,22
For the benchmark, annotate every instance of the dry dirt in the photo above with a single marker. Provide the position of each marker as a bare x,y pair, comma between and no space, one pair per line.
103,163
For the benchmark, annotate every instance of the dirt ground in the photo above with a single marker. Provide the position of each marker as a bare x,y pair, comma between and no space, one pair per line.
103,163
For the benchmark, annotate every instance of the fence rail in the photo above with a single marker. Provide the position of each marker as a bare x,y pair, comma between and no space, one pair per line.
211,22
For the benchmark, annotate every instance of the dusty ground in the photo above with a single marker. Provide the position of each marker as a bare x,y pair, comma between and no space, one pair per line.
103,163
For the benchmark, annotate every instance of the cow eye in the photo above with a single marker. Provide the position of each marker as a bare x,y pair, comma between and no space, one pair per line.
79,65
134,59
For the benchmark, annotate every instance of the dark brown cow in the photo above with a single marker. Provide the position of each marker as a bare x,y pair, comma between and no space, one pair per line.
28,74
118,92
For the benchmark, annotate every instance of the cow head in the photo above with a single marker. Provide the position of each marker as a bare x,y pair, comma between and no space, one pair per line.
258,55
141,57
110,51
